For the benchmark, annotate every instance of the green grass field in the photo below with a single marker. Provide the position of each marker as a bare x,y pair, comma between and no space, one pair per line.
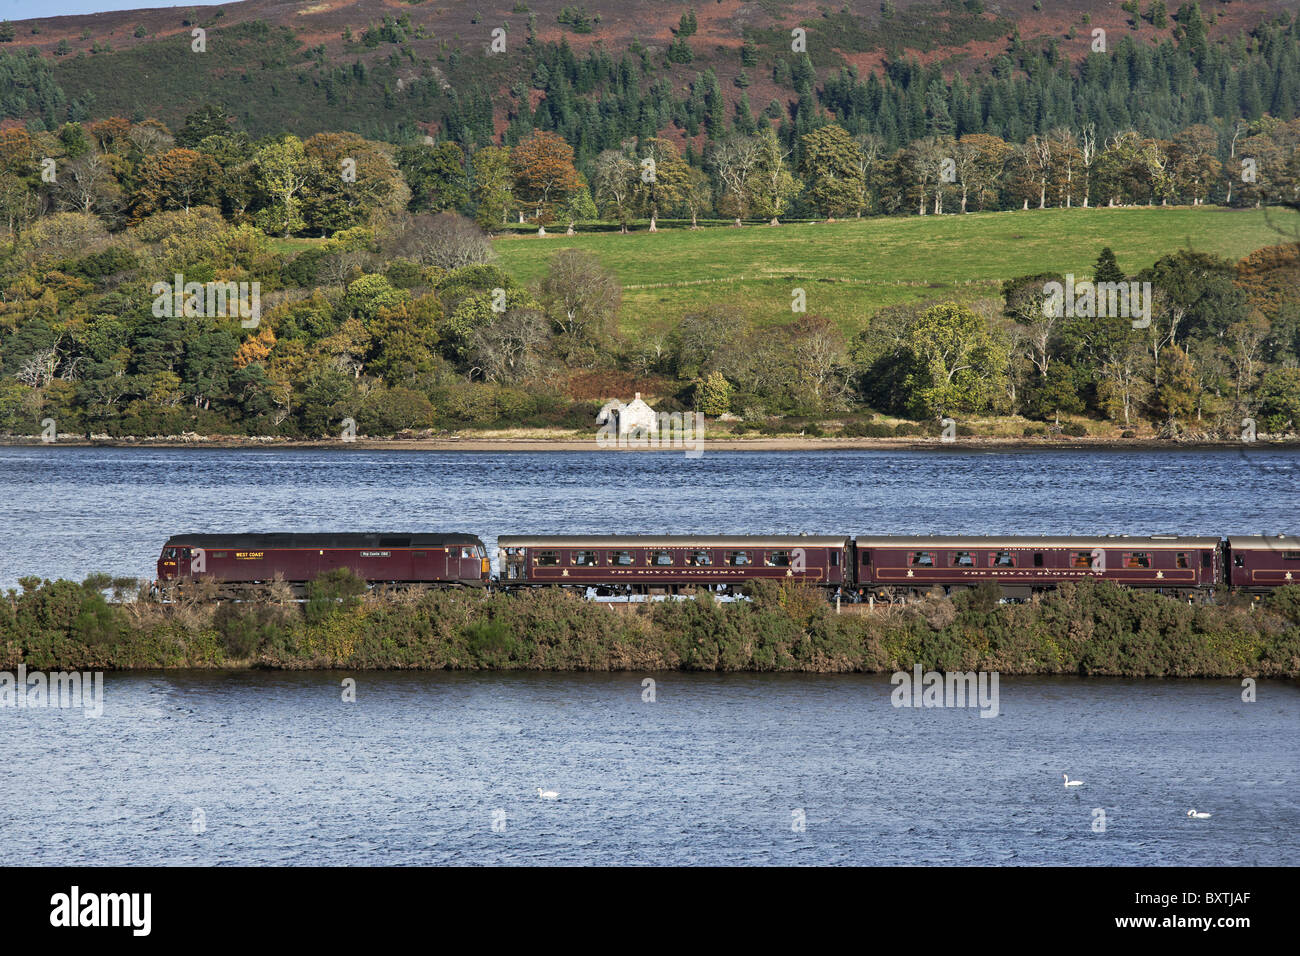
852,268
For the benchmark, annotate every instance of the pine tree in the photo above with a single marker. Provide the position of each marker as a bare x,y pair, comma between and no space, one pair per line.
1107,268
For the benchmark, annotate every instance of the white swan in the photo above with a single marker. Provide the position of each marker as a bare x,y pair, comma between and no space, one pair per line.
1198,815
1071,783
547,794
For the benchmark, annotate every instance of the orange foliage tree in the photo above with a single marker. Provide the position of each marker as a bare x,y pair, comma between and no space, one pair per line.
543,171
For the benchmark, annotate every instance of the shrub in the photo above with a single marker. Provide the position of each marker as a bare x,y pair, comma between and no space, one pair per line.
331,591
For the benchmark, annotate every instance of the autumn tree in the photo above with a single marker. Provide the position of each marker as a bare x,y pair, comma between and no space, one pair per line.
176,179
350,182
544,175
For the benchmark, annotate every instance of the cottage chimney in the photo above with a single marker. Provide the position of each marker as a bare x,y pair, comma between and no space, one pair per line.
637,398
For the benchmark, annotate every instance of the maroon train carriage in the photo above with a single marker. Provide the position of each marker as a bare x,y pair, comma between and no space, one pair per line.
244,561
1257,564
626,564
890,566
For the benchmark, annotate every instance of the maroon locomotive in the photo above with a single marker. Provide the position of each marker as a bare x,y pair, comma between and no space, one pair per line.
898,565
635,564
242,561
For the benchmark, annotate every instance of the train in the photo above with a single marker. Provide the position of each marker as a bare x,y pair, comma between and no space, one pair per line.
853,567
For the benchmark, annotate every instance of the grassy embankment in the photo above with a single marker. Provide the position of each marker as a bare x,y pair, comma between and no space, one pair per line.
852,268
1088,629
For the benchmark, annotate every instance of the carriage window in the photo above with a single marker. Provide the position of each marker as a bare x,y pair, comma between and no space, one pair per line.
1083,559
584,559
778,559
1238,560
547,559
962,559
1207,560
419,554
866,557
660,558
1291,555
1138,559
701,559
835,559
621,558
1182,561
922,559
738,559
1038,559
1003,559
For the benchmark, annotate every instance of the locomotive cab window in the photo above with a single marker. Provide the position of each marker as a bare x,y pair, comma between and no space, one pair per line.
700,559
738,559
922,559
1137,559
547,559
621,558
962,559
778,559
169,553
1002,559
660,558
467,552
584,559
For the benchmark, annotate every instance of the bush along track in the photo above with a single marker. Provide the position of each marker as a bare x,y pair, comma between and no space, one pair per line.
1086,629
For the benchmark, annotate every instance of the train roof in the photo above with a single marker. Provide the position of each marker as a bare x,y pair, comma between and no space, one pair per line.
1032,541
672,541
293,539
1249,542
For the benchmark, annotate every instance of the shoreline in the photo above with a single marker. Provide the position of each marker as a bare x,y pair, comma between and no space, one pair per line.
570,445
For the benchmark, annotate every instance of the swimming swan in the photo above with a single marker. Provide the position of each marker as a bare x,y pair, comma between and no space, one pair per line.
547,794
1198,815
1071,783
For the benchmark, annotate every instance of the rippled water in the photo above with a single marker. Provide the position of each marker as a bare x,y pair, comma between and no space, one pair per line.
711,772
69,512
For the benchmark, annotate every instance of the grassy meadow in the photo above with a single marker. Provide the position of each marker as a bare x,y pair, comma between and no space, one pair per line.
852,268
